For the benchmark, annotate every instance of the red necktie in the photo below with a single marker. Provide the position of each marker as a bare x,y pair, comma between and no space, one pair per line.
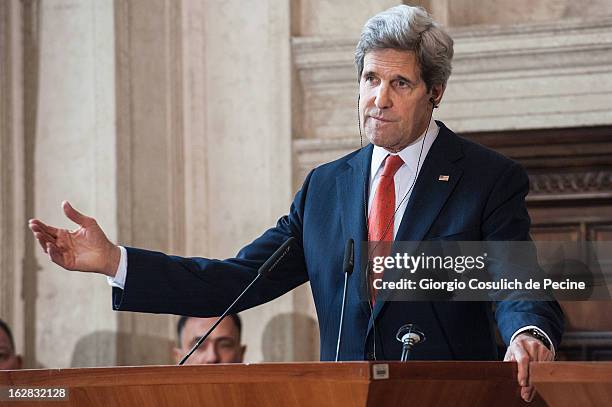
381,220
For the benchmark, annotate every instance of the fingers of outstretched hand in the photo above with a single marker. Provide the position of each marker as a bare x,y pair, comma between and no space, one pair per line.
42,240
76,216
37,225
42,233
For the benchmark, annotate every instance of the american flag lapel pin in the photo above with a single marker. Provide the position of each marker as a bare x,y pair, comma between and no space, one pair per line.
443,178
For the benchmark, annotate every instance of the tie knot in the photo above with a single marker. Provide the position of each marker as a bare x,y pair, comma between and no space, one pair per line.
392,164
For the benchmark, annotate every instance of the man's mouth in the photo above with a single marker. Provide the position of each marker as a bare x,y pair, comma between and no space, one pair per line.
381,119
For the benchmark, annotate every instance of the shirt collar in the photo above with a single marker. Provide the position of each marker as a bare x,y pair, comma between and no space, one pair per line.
410,154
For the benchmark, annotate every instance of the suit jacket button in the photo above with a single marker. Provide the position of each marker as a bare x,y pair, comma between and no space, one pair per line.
370,356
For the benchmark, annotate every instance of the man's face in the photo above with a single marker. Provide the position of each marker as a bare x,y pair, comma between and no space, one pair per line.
394,102
222,346
8,359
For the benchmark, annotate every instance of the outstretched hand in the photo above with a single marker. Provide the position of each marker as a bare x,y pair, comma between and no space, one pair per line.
85,249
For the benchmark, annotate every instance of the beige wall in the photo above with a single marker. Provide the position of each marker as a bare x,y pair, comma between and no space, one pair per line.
203,127
469,12
162,118
155,118
12,213
74,159
334,18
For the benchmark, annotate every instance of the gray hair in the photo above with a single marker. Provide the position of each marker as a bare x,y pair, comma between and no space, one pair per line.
409,29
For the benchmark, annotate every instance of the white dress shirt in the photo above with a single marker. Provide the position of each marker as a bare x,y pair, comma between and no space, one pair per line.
406,174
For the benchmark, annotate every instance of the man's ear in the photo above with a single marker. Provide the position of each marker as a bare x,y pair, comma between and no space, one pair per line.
437,91
19,361
177,354
242,352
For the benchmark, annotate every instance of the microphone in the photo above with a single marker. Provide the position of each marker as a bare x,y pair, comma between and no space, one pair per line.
347,268
409,335
276,257
265,271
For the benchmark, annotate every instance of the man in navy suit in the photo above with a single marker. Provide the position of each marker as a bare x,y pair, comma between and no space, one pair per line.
416,181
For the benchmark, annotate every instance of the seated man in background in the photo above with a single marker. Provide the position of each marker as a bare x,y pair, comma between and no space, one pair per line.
222,346
8,359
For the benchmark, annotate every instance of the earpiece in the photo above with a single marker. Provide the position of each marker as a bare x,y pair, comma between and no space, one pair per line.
433,103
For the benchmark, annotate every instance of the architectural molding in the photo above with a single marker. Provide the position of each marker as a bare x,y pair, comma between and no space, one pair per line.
542,46
150,155
12,211
546,185
7,181
579,148
139,109
123,86
570,185
183,157
524,46
521,77
31,32
309,153
194,125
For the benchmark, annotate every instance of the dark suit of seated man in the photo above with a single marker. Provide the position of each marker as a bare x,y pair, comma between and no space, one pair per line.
416,181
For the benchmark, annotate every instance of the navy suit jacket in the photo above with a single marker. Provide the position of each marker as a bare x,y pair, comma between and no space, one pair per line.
483,200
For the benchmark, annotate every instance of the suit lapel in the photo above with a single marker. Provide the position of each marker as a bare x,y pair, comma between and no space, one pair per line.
429,194
352,196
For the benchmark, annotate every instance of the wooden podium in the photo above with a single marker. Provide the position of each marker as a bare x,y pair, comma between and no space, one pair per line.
571,384
279,384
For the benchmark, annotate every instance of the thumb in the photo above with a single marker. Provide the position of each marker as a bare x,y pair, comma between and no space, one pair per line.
74,215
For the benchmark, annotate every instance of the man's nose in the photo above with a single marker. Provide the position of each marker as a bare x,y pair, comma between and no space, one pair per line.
210,355
383,98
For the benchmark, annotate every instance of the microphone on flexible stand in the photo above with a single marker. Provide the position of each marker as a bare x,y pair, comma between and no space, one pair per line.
264,270
347,267
409,335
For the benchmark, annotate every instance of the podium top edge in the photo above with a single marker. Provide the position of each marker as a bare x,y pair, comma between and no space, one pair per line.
360,371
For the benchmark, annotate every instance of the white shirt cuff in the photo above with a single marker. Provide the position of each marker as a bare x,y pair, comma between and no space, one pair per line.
119,279
525,328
